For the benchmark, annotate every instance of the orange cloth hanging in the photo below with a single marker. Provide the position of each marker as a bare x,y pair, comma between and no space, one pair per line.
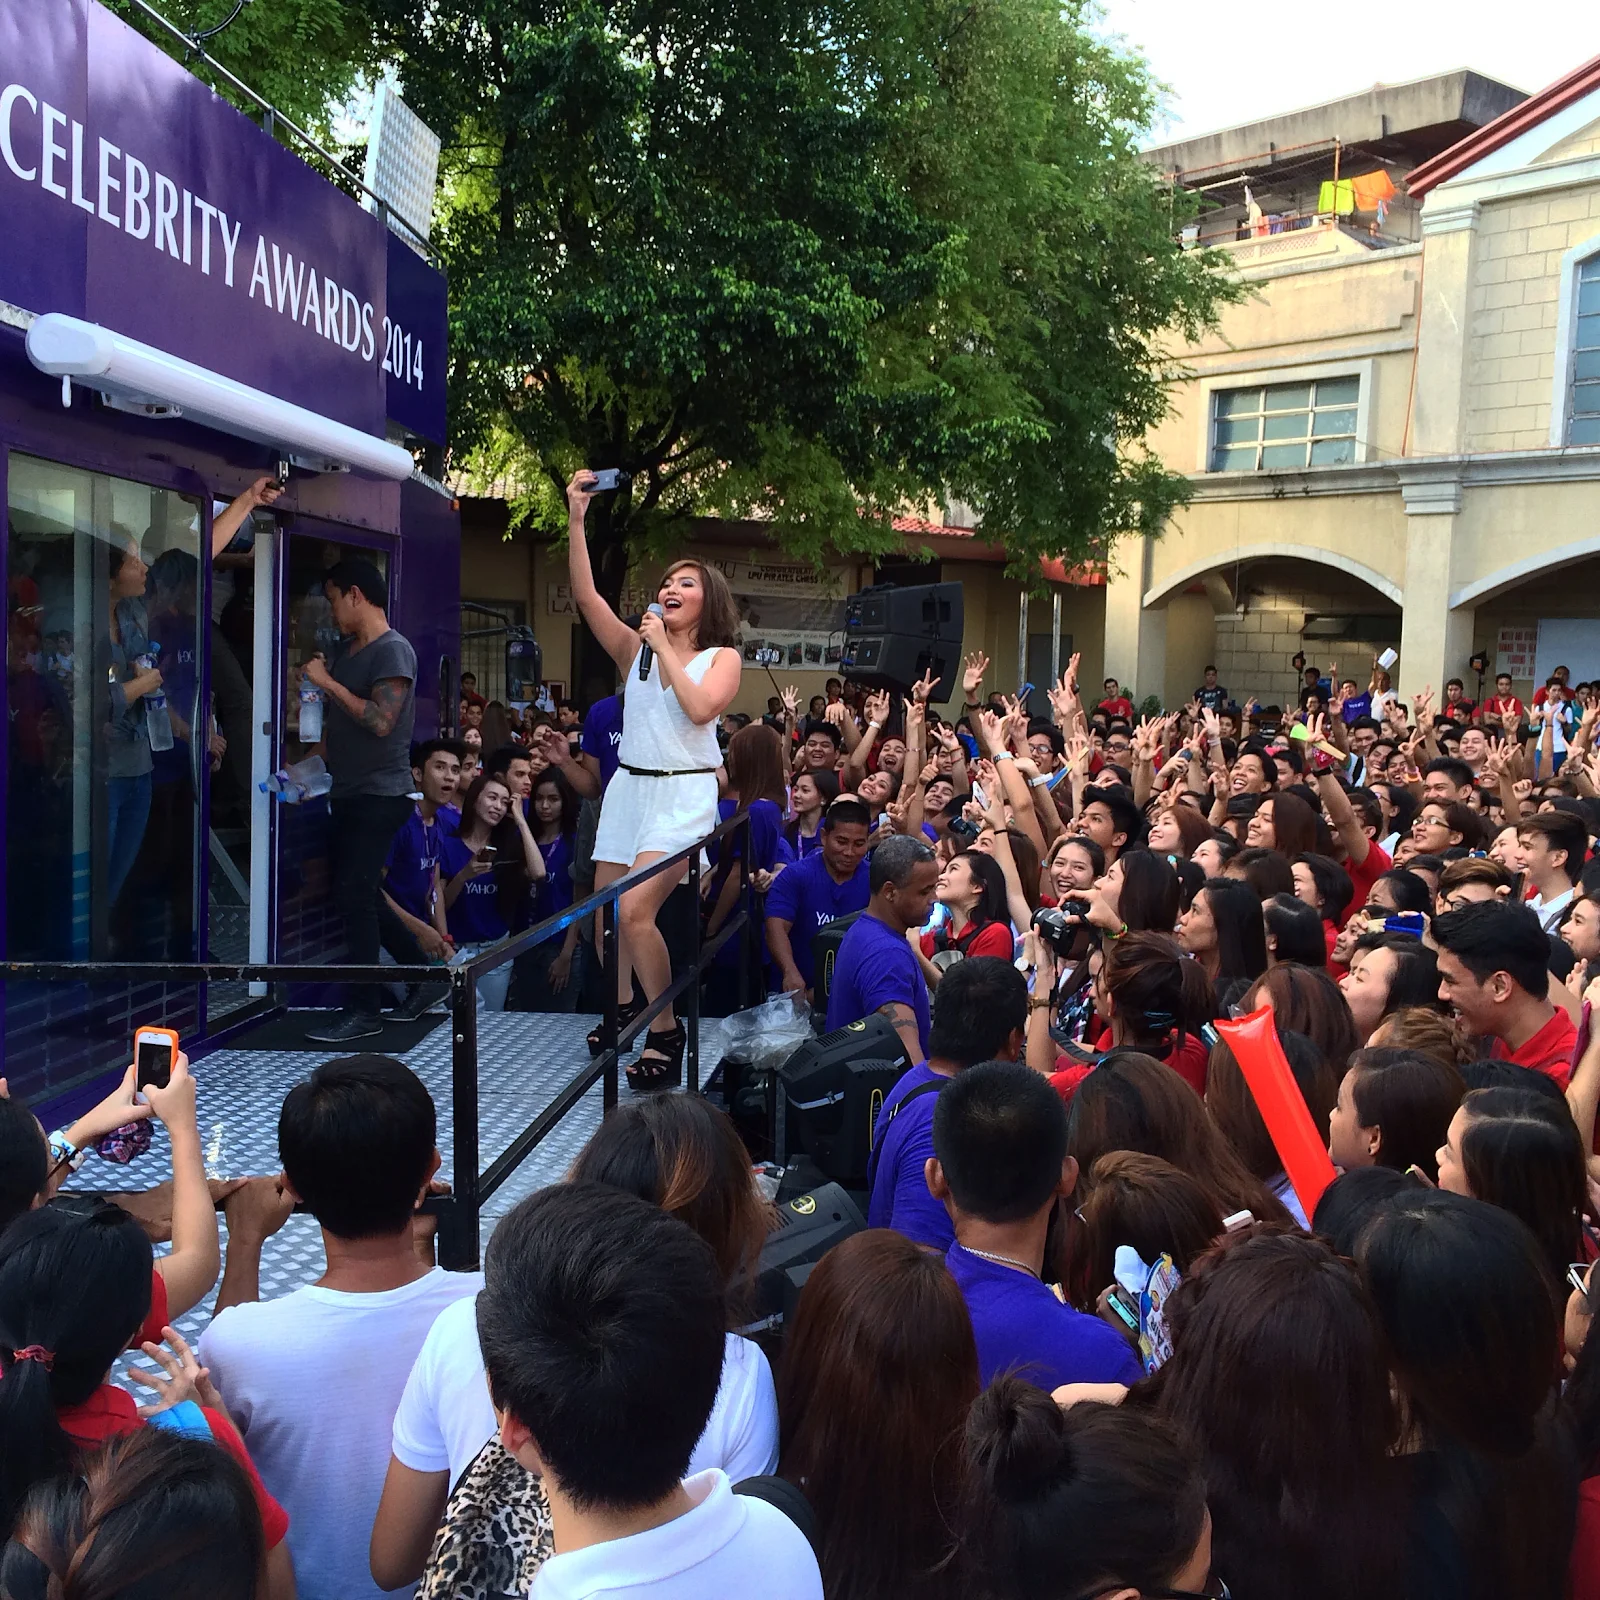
1372,189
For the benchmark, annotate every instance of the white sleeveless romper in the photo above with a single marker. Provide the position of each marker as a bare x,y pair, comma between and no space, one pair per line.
642,813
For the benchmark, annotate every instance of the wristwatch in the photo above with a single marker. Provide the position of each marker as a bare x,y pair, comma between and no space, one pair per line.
63,1153
1004,755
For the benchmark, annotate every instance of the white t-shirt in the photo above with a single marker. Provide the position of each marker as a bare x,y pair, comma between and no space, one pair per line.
445,1418
730,1545
313,1380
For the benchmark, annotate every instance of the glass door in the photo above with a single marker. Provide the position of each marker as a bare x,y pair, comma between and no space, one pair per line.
107,738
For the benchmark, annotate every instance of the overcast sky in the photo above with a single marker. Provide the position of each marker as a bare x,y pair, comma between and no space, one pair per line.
1229,64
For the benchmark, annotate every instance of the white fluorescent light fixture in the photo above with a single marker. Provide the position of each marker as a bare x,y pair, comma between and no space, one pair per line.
138,377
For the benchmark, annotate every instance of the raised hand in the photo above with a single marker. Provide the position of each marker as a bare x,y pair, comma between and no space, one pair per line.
922,689
991,732
878,706
791,701
973,669
836,713
1069,679
1078,752
930,771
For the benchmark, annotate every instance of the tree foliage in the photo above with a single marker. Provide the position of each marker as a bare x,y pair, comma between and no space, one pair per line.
305,57
810,261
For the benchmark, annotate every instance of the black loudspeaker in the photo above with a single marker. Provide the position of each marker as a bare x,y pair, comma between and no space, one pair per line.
832,1089
808,1227
893,635
825,944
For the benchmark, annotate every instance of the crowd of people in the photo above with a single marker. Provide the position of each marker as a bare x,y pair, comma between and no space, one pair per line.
1101,1337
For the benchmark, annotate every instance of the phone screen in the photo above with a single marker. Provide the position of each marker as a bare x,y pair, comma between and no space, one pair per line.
155,1063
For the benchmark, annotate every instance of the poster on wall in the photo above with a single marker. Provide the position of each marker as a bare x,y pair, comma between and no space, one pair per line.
788,608
1514,651
790,615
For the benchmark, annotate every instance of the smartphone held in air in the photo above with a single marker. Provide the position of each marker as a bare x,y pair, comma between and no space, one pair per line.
606,478
155,1053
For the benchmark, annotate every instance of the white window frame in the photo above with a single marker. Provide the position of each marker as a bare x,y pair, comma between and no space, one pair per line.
1566,336
1264,377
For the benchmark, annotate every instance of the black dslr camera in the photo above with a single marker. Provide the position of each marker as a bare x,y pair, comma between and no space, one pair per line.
1060,926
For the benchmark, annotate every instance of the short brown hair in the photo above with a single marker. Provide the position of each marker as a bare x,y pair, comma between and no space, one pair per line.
719,616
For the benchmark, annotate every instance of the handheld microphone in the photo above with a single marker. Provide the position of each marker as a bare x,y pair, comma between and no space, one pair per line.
647,655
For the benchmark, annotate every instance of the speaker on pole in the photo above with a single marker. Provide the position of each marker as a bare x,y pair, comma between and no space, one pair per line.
894,634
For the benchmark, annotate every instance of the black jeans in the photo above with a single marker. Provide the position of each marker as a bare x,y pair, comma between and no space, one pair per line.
363,828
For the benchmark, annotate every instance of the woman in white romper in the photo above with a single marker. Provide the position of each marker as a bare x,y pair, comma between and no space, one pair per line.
664,794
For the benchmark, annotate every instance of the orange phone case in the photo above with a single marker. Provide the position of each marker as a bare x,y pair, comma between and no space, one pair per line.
165,1033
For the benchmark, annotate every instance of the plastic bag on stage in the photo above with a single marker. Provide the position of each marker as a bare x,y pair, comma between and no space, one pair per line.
766,1035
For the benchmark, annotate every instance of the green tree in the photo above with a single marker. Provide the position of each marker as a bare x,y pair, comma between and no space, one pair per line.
305,57
810,263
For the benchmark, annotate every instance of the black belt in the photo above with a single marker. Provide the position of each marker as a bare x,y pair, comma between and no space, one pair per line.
655,772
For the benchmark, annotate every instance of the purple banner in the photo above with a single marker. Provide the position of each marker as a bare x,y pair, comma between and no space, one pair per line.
416,334
135,197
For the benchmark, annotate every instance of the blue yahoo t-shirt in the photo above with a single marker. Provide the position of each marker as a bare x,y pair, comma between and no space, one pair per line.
475,917
876,967
602,735
900,1198
554,891
808,897
408,872
1020,1327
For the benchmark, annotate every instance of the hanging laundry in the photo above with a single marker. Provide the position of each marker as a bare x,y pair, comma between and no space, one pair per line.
1337,199
1253,214
1372,189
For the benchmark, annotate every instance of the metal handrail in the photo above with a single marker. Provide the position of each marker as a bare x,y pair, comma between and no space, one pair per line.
459,1212
192,46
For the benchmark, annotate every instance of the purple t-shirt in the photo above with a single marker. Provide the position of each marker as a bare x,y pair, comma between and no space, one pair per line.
1358,705
900,1198
875,967
1021,1327
408,873
475,917
602,735
808,897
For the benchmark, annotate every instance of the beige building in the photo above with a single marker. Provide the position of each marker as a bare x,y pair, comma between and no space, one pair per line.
1395,437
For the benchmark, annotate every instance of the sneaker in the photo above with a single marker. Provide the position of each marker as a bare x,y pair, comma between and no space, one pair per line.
345,1028
420,999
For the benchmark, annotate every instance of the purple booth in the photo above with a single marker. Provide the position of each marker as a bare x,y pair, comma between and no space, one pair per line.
185,306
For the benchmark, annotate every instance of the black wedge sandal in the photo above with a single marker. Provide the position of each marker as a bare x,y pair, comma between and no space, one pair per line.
662,1066
625,1015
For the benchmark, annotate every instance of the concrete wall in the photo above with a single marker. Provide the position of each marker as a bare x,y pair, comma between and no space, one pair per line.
1514,309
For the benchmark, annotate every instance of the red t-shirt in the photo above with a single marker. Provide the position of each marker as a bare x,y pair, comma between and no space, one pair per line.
992,939
1583,1571
108,1413
1122,706
150,1330
1364,875
1494,706
1549,1051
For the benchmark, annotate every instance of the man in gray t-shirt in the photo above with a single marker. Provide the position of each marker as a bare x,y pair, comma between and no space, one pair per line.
371,707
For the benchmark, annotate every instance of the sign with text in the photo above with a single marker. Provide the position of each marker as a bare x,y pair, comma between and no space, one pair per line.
1514,651
137,198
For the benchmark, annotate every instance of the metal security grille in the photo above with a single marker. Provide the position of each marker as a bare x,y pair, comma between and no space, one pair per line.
483,641
1285,425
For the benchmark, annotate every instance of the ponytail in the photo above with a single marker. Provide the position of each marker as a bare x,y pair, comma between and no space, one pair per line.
1067,1503
74,1288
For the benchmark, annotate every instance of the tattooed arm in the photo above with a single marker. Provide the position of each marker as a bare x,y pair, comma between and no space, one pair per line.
377,715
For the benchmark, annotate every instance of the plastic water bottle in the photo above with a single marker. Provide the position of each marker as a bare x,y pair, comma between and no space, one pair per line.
157,719
299,781
310,713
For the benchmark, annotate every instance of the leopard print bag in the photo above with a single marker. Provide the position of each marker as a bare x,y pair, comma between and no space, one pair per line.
495,1535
